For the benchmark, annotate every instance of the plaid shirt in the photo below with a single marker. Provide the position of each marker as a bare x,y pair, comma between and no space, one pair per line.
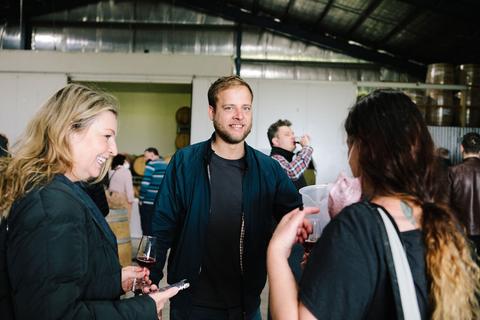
299,163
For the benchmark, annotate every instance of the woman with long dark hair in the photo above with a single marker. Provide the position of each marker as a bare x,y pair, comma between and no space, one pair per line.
348,273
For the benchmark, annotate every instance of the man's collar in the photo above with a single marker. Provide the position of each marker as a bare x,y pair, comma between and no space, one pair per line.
284,153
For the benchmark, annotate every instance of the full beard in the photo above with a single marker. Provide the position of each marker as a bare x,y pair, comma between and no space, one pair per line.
228,138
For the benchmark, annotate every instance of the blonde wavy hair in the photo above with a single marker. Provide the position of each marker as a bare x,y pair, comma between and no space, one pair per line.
43,150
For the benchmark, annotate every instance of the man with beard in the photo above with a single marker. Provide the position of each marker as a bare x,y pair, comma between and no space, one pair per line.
216,209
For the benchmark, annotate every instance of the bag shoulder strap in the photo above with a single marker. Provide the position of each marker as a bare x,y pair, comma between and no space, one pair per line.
401,277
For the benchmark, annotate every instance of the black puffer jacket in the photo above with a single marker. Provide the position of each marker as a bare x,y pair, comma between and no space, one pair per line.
62,262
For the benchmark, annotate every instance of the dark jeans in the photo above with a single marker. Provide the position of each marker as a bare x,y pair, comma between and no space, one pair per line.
146,215
203,313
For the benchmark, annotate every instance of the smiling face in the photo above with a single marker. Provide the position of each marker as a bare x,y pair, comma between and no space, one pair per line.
232,115
284,138
92,147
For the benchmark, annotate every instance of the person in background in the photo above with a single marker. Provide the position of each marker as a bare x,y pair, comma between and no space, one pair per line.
282,140
465,186
3,145
216,209
346,275
152,178
58,255
120,180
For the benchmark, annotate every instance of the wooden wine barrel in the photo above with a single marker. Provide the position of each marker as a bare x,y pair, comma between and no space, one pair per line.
440,73
139,165
118,221
182,140
441,109
469,74
471,99
420,98
183,115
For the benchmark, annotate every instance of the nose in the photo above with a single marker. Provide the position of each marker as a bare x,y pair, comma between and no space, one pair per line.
239,114
112,147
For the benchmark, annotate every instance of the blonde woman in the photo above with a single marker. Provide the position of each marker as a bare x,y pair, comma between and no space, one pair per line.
347,275
58,255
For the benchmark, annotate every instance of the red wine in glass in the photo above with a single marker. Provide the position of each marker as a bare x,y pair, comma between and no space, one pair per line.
146,258
312,237
308,245
146,262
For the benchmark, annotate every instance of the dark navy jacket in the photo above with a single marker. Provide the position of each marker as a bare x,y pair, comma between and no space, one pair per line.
182,211
61,259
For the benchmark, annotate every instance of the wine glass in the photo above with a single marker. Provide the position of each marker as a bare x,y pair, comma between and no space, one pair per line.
146,257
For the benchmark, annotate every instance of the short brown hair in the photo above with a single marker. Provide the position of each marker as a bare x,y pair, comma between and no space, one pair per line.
273,129
224,83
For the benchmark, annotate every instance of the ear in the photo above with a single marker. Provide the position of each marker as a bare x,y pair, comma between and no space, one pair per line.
462,150
211,112
275,141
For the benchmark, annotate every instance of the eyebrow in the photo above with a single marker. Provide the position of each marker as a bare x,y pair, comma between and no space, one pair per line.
111,130
233,105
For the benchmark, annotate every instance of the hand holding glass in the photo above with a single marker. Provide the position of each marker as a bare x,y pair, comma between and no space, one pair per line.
146,257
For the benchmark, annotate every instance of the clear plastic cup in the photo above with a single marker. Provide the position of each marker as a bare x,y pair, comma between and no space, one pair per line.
317,196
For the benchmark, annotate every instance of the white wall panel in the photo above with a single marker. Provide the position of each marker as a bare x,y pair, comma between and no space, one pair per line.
22,94
316,108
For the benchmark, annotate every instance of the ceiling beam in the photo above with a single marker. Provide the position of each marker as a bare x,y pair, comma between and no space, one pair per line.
290,4
323,14
128,25
316,64
294,31
365,14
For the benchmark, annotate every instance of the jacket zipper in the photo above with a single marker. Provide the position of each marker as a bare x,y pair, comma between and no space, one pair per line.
242,244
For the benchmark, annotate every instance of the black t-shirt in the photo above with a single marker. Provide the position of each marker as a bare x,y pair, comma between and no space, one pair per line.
347,277
219,284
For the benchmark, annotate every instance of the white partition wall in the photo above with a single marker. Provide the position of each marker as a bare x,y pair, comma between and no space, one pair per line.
27,78
22,94
316,108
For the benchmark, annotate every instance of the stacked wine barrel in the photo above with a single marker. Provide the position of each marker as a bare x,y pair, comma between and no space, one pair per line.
183,116
441,109
419,98
469,75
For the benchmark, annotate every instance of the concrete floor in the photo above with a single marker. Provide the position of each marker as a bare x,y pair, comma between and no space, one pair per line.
163,282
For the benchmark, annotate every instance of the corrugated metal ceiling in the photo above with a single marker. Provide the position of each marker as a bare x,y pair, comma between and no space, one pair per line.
402,34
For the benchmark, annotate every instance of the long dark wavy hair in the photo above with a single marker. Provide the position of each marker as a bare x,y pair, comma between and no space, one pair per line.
396,158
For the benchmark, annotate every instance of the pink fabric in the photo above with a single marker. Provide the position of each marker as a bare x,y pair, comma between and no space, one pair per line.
121,181
344,192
